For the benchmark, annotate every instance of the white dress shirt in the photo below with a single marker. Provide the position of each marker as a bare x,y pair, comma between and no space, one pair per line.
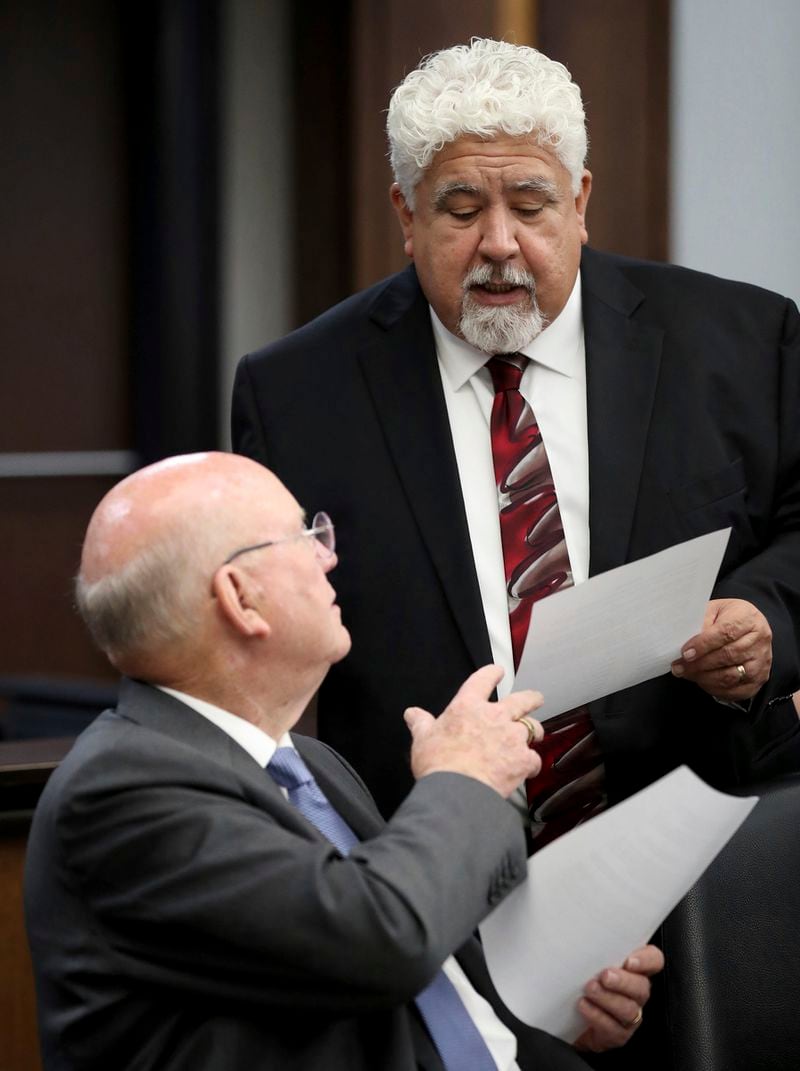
499,1040
554,385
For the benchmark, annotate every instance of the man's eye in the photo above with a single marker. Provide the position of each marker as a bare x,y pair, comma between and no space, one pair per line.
528,211
463,214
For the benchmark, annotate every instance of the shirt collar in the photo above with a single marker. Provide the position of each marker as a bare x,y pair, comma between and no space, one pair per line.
258,744
557,347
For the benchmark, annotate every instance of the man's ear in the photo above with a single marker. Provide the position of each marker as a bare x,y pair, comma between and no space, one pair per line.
234,593
405,217
581,203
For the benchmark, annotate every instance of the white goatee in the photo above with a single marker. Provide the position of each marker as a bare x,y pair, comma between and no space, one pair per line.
500,328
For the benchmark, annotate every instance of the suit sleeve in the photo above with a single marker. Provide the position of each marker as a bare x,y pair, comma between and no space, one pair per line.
195,889
247,429
771,578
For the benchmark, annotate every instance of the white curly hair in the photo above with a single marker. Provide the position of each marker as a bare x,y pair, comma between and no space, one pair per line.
484,88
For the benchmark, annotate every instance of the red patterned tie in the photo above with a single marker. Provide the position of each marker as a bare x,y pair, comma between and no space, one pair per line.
571,786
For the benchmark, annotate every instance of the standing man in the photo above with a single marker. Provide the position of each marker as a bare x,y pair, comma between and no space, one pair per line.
206,891
516,412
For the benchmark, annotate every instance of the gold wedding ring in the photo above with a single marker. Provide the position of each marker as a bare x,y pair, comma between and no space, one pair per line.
530,726
742,674
635,1021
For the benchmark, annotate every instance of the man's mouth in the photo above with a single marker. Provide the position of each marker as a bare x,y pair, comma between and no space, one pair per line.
499,293
499,288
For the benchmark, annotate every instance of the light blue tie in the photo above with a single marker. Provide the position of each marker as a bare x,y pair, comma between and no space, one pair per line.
454,1033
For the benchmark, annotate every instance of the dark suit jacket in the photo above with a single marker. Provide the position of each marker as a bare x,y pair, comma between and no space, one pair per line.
183,916
693,393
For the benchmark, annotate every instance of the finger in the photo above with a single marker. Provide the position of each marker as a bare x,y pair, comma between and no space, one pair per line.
419,722
752,650
706,643
617,982
733,679
733,682
480,684
649,960
620,1007
751,647
753,673
733,620
534,764
607,1032
534,730
519,704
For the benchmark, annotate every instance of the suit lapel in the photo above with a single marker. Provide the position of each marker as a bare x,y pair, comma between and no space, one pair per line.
403,379
345,793
164,714
622,363
156,710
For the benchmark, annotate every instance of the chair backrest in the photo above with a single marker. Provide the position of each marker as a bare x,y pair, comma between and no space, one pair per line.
39,706
732,982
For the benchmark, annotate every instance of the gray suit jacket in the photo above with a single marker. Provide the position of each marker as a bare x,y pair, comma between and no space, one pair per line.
693,399
183,915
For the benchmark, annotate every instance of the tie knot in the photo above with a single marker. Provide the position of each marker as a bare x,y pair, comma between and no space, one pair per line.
506,375
288,769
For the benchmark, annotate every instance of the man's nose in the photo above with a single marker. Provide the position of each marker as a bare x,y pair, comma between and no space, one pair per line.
328,558
498,238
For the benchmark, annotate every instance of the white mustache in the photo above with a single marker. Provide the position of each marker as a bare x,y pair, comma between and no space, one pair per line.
501,273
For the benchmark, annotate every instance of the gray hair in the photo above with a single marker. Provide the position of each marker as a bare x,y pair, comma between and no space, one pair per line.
484,88
152,601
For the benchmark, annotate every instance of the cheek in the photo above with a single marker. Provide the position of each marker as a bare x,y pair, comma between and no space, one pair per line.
446,265
552,257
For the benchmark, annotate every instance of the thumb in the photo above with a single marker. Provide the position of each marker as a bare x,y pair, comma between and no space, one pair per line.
480,684
419,722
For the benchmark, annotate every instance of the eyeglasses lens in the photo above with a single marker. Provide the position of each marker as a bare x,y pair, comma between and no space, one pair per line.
324,532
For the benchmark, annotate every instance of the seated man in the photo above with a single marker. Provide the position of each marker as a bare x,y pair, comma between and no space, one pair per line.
197,896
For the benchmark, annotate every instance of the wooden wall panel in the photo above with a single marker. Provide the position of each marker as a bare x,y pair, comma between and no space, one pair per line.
618,53
42,523
63,267
64,309
19,1050
389,39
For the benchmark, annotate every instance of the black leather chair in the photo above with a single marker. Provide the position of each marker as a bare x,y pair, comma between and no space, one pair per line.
732,981
38,706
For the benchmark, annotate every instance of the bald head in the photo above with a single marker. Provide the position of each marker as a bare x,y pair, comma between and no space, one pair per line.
171,499
154,543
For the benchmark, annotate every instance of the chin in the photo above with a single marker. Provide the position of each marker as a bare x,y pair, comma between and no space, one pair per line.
342,648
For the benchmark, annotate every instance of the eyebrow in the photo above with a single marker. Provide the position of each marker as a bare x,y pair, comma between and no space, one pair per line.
535,185
530,185
444,193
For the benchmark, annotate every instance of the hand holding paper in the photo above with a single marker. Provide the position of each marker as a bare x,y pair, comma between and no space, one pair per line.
619,628
613,1001
732,656
600,891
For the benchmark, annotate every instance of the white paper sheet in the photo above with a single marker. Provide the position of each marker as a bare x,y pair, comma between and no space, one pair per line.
619,628
599,892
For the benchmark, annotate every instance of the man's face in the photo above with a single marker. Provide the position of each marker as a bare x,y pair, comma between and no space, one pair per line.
295,595
493,221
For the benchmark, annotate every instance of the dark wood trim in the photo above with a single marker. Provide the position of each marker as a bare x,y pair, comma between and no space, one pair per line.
321,163
171,63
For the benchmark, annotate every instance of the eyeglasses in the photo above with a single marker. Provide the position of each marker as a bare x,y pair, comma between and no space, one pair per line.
321,530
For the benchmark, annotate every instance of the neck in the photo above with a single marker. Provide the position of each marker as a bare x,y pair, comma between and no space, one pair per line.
273,707
243,680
